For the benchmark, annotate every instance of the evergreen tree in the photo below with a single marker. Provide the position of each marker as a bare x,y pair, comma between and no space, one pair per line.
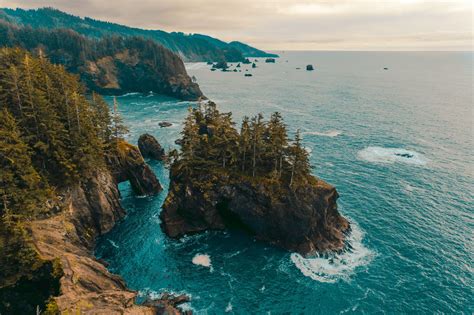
102,119
300,167
23,192
118,130
245,142
257,129
277,138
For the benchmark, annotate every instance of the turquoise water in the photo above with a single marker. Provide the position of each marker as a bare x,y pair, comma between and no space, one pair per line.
412,213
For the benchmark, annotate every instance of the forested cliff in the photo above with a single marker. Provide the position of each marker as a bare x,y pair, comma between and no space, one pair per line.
191,47
61,157
111,65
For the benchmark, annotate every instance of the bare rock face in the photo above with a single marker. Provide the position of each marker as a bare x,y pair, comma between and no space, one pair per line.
130,165
305,219
86,286
150,147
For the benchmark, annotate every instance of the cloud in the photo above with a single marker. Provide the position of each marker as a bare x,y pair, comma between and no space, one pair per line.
293,24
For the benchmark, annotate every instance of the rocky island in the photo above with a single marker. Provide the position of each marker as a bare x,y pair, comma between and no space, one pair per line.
255,180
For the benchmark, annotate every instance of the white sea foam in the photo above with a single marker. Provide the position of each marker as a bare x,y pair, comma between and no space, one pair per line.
129,94
228,308
202,260
114,244
391,155
330,133
334,267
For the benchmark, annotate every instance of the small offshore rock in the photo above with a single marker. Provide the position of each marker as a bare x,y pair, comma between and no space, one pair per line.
165,124
150,147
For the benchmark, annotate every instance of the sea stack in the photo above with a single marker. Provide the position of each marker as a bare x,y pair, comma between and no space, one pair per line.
267,199
150,147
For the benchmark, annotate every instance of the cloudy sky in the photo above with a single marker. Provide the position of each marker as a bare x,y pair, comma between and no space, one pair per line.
293,24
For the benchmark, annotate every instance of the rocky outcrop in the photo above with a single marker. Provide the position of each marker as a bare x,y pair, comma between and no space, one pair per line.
112,65
86,286
150,147
129,165
168,304
309,68
304,219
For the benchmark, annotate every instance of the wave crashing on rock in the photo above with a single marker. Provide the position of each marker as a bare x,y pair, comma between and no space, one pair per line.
391,155
331,267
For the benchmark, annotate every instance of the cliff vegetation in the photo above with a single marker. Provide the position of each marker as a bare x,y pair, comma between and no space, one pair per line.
109,65
52,139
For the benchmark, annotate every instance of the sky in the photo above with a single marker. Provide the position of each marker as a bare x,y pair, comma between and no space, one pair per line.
293,24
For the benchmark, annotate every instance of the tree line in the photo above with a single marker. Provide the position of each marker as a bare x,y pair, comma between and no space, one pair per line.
210,141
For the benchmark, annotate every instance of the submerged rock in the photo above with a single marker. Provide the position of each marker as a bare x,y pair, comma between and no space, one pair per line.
405,155
150,147
165,124
304,219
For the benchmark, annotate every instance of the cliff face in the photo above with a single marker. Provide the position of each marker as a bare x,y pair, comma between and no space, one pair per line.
87,287
143,67
304,220
112,65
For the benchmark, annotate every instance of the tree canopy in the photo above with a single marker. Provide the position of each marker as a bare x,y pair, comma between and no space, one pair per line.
210,142
51,136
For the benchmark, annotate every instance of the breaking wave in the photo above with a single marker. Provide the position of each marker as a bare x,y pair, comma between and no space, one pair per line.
330,133
391,155
333,267
129,94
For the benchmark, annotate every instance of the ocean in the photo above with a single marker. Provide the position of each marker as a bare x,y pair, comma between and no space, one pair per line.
398,146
